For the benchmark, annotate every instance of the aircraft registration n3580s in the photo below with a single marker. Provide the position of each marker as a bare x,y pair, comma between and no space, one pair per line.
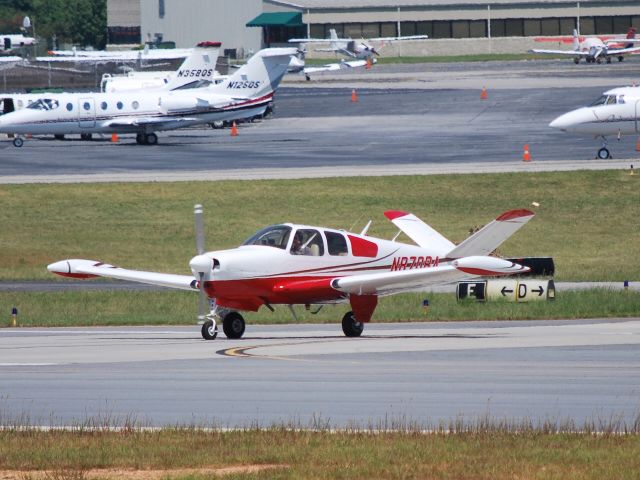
245,94
294,264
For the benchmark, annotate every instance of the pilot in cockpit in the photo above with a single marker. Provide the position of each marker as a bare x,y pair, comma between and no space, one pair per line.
297,248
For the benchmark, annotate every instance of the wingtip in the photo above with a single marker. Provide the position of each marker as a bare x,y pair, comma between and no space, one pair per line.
513,214
393,214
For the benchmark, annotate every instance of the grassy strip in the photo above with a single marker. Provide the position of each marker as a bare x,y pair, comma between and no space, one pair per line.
178,308
481,57
321,454
586,220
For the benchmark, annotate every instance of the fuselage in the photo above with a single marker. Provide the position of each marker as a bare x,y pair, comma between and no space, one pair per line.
70,113
616,112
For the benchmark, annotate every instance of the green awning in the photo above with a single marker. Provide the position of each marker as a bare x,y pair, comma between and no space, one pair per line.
282,19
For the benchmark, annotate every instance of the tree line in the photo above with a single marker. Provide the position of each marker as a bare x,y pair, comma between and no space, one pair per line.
77,22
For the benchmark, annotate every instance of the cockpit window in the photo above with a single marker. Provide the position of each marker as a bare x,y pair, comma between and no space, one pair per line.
194,84
44,104
611,100
307,241
273,236
600,101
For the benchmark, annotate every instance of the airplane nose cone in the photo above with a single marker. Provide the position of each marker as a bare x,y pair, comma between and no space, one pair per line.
561,123
201,264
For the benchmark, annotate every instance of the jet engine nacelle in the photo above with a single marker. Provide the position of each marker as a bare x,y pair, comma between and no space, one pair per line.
175,104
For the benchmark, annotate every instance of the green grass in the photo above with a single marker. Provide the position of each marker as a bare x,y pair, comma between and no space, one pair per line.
488,57
588,221
179,308
326,455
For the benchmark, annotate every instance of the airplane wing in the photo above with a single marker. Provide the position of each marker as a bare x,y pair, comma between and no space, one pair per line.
10,59
622,51
79,268
387,283
308,40
335,66
128,55
157,122
572,53
396,39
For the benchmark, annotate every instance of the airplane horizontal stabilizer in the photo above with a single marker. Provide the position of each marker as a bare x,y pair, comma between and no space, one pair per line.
416,279
419,232
492,235
78,268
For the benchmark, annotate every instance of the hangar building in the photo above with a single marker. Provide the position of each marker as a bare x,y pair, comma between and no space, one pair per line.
454,26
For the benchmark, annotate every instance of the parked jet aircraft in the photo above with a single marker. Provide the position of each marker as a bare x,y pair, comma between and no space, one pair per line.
245,94
616,112
353,48
200,64
9,43
294,264
594,49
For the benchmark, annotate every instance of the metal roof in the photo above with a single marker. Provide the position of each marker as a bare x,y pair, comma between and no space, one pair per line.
388,4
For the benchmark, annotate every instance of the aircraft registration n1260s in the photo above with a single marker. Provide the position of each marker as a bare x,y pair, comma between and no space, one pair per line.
245,94
616,112
295,264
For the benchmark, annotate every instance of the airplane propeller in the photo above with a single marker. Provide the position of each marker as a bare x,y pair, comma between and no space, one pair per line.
200,263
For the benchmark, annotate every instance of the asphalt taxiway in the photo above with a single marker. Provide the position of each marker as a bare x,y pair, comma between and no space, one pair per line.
401,123
298,374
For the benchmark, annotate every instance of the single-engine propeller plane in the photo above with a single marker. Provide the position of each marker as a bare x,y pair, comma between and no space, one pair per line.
295,264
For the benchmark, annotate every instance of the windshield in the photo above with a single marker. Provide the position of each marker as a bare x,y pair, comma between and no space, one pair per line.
608,100
44,104
273,236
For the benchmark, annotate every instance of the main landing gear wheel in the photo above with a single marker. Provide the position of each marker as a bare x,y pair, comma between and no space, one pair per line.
86,136
350,326
233,325
146,139
604,153
209,330
18,142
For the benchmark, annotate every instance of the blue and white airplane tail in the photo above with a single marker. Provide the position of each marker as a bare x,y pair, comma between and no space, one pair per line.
259,77
200,65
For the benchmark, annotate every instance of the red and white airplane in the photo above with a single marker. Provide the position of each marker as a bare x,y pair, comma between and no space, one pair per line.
594,49
294,264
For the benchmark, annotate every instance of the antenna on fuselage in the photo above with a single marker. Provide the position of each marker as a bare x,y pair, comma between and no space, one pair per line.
366,228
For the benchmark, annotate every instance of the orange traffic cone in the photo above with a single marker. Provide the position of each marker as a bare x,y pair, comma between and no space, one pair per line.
483,94
114,138
368,65
526,157
354,96
234,129
638,145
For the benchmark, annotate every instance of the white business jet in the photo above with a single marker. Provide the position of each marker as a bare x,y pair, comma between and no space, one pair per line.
12,42
245,94
616,112
199,65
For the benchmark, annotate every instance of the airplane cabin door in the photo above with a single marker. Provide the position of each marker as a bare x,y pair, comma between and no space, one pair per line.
86,113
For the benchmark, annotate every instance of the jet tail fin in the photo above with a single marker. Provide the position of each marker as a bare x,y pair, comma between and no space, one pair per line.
200,65
492,235
260,76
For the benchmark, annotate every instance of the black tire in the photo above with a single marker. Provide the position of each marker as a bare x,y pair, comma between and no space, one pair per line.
604,154
140,139
85,136
350,326
151,139
576,60
217,124
208,332
233,325
59,136
18,142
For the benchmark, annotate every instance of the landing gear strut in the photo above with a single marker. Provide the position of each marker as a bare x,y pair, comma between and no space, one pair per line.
350,326
233,324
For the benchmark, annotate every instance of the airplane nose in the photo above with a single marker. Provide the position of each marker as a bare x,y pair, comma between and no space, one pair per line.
562,122
201,264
